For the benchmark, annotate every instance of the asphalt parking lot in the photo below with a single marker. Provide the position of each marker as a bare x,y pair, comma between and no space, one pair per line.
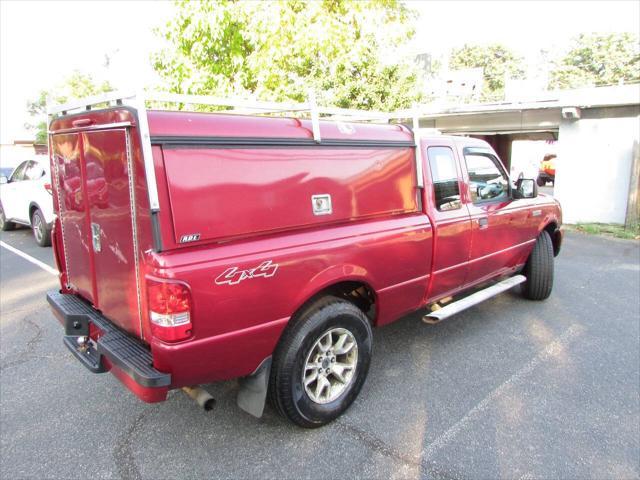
508,389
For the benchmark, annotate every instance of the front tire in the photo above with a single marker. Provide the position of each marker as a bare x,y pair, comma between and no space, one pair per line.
539,269
321,362
41,232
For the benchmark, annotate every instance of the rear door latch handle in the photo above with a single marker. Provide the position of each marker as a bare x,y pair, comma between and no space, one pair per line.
95,237
483,222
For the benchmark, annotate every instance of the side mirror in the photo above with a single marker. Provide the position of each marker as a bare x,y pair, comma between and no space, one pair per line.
525,188
3,180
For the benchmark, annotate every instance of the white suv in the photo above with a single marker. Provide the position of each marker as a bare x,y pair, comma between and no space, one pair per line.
26,199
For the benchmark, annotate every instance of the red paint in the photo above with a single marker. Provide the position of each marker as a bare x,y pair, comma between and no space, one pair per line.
107,186
72,212
220,125
274,190
261,252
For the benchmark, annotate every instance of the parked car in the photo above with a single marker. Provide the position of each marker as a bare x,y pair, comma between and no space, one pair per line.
547,171
221,246
25,199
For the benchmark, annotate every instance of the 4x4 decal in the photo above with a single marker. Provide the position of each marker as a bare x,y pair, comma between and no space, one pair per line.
233,275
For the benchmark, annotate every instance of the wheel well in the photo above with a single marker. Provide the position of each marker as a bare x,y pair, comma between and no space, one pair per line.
551,228
32,208
358,293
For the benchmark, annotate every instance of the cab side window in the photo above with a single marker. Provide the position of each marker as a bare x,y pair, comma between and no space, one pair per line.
445,178
487,180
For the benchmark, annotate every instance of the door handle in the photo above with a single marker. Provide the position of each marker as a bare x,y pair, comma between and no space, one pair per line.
95,237
483,222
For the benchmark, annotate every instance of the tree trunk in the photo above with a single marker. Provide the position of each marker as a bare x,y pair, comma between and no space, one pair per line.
632,219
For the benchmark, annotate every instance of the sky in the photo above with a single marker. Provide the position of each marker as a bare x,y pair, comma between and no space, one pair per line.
42,41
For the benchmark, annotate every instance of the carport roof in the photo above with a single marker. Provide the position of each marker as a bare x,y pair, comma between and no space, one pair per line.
583,98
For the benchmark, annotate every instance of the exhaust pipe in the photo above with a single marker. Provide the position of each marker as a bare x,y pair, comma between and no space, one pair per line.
201,396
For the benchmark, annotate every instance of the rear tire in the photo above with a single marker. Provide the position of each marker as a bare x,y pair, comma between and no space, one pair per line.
41,232
5,225
310,351
539,269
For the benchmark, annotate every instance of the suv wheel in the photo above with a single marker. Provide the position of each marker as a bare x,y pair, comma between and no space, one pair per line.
321,362
4,224
539,269
41,232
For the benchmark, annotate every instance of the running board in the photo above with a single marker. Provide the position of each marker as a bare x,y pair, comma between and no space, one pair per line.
474,299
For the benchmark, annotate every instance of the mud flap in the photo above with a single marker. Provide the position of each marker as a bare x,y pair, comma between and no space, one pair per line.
253,389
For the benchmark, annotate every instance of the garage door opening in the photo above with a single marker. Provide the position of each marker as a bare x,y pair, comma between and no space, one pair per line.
531,154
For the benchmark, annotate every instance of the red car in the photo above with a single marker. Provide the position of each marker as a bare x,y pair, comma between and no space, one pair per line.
219,246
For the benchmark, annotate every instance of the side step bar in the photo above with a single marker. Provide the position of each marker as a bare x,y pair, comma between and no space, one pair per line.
473,299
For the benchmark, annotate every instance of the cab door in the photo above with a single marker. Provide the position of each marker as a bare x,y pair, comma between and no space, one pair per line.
494,242
451,222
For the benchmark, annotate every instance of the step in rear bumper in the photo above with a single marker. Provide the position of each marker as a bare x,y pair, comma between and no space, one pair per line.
124,352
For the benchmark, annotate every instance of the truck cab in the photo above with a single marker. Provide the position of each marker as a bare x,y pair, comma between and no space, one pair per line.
485,222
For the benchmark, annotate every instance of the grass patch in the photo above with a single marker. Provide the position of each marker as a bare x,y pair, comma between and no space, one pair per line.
609,229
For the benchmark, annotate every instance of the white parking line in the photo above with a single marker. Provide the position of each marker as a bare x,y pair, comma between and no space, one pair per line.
550,351
29,258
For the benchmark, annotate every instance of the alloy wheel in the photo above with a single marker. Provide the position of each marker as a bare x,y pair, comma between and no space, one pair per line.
38,228
330,365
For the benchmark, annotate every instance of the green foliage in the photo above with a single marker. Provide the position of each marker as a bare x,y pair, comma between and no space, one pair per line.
76,85
495,60
595,59
345,51
609,229
41,132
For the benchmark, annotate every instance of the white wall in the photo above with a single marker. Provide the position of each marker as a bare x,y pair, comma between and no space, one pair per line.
526,156
593,168
11,155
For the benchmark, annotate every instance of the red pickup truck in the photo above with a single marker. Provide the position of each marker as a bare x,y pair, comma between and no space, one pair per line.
201,247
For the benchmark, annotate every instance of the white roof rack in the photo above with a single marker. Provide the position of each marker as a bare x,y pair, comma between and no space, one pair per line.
139,100
243,105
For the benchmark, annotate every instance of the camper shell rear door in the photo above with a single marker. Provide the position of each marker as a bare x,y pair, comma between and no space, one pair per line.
94,178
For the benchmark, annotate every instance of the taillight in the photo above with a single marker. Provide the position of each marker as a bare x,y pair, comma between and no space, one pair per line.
47,187
169,310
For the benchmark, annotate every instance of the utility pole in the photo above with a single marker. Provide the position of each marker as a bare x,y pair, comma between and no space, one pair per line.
632,219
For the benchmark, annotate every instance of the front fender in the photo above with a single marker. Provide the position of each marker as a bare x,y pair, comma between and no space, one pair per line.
552,223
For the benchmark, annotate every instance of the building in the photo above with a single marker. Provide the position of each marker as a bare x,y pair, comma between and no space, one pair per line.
597,130
11,154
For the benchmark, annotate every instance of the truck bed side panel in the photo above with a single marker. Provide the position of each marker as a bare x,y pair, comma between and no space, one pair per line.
391,255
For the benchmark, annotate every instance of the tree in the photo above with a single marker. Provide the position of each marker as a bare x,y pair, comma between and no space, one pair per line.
76,85
345,51
496,61
596,59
